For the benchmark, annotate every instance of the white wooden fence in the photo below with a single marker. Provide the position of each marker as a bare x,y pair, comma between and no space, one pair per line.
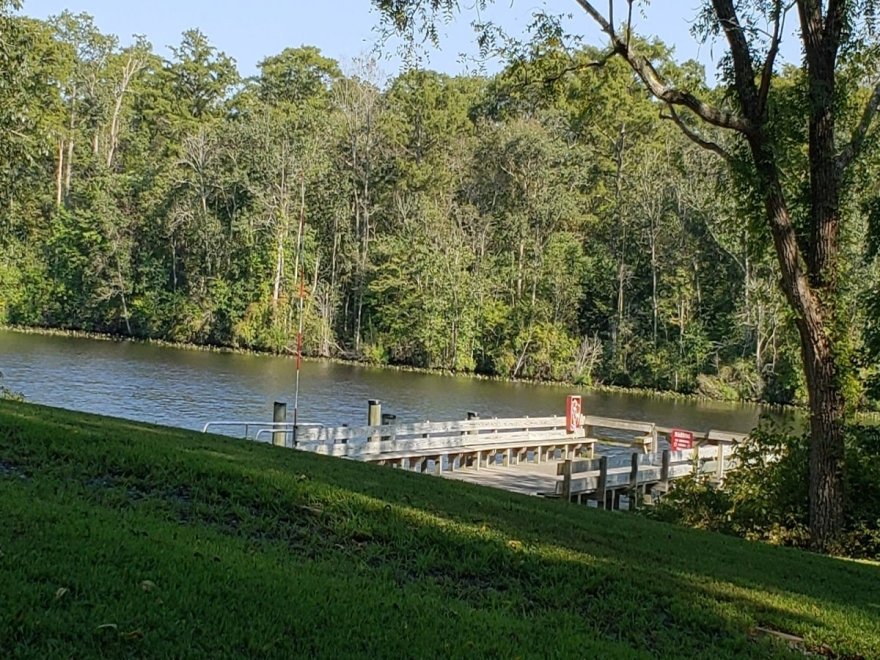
640,473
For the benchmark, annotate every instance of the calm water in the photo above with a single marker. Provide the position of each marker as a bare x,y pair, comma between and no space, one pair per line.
179,387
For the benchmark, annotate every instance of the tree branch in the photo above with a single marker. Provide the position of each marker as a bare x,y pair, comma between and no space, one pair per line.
834,22
695,137
743,70
852,150
659,88
767,73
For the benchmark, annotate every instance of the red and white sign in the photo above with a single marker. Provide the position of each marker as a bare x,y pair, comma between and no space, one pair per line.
573,416
680,439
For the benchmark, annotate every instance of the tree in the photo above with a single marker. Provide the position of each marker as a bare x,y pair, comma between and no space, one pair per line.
834,34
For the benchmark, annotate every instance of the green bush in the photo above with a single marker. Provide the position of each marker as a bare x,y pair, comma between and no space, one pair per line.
767,497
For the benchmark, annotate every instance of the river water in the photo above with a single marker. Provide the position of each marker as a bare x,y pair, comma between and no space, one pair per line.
187,388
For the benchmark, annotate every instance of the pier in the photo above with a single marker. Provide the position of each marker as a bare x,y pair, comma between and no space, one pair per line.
588,459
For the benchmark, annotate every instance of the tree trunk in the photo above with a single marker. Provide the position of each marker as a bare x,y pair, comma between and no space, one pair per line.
827,424
59,173
827,404
279,270
654,303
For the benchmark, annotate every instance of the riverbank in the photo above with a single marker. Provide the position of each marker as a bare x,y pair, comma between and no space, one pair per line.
127,539
600,388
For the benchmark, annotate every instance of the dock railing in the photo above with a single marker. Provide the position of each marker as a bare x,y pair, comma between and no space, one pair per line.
640,474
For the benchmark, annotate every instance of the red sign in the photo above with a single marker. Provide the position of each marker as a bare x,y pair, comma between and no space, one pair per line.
573,416
679,439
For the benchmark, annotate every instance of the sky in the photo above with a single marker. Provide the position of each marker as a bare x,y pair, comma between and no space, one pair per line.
346,29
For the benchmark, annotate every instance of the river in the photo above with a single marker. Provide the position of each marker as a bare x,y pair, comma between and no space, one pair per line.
187,388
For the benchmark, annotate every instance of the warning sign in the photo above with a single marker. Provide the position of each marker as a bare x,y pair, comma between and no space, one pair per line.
680,439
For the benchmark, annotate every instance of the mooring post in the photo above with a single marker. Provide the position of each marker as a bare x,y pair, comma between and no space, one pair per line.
655,441
279,415
374,415
719,469
603,480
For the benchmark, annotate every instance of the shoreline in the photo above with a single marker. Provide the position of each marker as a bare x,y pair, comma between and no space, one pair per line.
602,389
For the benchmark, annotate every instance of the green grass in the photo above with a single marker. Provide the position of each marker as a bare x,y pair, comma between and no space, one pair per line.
119,539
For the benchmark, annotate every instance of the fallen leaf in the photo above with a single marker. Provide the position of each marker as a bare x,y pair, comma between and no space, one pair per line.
61,593
133,634
148,585
108,626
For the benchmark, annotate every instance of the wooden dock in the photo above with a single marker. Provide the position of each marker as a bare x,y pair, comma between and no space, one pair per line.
537,456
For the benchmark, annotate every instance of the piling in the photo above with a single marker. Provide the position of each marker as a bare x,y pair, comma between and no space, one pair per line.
374,415
279,415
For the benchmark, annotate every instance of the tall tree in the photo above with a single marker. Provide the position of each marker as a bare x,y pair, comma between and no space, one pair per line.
808,260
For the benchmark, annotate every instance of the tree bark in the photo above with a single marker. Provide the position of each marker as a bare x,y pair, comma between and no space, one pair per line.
826,399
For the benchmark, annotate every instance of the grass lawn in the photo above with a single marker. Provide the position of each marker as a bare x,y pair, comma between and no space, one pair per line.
120,539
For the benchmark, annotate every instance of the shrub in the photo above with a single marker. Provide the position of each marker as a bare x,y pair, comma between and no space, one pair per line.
766,498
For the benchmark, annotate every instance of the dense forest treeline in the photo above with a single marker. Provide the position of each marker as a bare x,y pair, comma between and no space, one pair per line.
546,222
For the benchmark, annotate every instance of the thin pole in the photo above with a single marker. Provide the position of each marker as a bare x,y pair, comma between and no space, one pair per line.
300,269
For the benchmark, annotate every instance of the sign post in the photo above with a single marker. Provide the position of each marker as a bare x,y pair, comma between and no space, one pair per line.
679,439
573,416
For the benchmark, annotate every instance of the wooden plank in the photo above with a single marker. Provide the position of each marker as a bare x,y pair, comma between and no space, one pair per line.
579,466
619,424
313,434
374,451
712,435
498,441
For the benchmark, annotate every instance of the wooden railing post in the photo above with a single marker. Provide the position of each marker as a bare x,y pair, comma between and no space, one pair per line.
387,420
279,415
603,481
664,470
472,415
566,480
633,481
719,468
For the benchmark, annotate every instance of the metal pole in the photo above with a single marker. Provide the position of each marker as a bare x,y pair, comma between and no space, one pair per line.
299,269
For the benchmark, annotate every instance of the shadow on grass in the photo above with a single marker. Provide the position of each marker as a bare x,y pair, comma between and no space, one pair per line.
498,564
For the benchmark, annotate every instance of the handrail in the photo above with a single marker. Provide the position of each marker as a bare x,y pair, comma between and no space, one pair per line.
265,426
290,429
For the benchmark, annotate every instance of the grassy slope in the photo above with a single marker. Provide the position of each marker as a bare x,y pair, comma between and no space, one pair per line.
124,539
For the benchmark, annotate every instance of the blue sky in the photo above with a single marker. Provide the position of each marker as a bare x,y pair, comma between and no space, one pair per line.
345,29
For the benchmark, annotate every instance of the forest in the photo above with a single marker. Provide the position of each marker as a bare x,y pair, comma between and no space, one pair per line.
551,221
